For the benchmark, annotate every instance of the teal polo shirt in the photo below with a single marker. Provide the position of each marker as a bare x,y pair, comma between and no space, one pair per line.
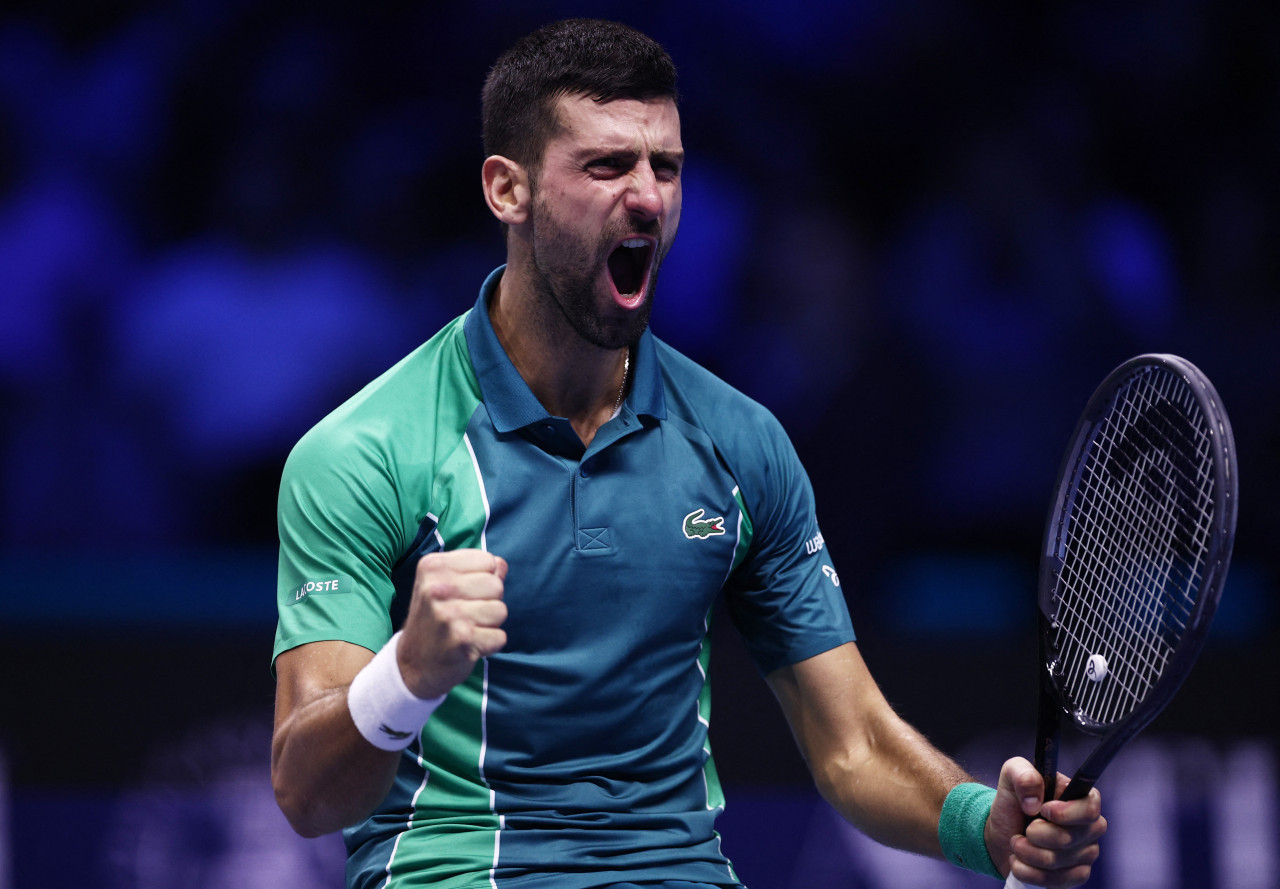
576,757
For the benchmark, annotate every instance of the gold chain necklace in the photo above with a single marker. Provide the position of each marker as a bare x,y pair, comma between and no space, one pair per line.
622,390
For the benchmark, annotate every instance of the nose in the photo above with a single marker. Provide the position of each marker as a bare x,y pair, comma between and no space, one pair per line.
644,198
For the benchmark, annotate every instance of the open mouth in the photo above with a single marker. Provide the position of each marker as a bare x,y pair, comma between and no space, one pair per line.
629,266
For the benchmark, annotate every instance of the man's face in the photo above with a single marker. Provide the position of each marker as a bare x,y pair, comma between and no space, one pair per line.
606,205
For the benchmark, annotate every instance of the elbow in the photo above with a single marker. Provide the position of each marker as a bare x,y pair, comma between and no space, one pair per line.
307,816
301,818
307,829
845,773
836,776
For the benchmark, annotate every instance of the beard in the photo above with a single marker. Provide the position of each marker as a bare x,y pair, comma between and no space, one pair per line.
567,271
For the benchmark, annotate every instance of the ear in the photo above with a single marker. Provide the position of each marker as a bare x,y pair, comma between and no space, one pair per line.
506,189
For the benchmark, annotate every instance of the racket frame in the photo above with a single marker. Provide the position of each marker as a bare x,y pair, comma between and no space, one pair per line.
1053,704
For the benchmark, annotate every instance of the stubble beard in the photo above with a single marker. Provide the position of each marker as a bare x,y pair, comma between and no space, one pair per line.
566,273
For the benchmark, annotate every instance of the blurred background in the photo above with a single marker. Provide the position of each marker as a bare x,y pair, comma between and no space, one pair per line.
919,231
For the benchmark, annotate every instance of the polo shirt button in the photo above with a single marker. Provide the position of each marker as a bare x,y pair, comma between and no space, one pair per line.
584,471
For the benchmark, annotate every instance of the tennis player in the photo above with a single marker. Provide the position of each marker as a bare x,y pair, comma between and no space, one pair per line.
499,559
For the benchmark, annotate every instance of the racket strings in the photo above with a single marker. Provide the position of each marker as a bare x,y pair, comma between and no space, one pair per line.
1128,572
1137,568
1133,551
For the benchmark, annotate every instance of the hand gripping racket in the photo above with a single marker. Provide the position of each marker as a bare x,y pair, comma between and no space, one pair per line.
1136,551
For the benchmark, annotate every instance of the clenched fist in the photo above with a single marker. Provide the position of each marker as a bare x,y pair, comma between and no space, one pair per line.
455,618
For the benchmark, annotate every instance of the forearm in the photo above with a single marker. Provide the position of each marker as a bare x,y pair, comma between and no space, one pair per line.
891,787
325,774
882,775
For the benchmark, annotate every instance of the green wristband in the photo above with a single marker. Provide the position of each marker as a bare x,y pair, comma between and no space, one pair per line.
961,826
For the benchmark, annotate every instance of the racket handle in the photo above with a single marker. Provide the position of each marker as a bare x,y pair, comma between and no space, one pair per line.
1014,883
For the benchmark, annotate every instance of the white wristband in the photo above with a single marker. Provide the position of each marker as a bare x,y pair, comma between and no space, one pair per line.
382,707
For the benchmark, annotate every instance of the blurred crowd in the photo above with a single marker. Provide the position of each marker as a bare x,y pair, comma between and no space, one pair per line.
918,231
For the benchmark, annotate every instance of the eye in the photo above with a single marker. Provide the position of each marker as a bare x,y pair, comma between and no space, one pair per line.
605,166
666,170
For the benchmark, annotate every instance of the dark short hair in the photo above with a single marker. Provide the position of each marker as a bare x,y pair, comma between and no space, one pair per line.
601,59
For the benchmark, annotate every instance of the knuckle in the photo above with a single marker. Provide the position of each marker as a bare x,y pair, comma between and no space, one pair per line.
461,633
429,563
436,588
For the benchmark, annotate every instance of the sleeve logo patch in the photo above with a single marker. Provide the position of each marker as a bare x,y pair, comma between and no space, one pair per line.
320,587
698,528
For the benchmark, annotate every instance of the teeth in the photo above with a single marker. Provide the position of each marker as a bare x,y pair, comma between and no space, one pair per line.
635,242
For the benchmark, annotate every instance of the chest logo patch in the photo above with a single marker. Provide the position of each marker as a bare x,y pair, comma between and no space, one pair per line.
698,528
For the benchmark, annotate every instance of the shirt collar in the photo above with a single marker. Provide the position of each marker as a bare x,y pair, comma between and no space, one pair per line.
509,401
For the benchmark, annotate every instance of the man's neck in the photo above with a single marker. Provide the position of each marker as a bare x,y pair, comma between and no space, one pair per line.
570,377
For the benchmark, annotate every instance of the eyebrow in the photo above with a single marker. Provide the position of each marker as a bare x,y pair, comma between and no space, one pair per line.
676,158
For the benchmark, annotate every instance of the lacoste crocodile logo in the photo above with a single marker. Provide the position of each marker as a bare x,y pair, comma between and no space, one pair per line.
695,527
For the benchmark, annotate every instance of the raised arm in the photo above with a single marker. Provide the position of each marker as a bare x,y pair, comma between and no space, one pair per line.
325,772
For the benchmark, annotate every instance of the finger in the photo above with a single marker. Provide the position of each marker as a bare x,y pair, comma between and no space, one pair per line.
486,641
482,612
1054,849
1023,780
455,618
1044,839
461,586
1069,840
1056,852
1081,811
464,561
438,581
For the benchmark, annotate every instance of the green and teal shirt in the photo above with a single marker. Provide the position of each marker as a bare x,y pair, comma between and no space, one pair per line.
577,756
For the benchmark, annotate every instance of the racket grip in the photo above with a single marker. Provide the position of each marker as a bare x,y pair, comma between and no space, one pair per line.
1014,883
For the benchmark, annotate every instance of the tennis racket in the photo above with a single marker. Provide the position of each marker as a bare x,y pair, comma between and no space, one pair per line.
1136,551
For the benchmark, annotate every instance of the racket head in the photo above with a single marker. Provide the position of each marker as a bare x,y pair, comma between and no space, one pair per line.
1137,545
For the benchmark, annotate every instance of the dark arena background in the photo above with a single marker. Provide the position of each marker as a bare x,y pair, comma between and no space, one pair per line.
920,232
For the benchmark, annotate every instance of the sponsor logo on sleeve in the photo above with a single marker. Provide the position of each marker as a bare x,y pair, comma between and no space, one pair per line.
326,586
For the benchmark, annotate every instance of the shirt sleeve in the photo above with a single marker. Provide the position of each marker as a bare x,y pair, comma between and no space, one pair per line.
340,538
785,597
